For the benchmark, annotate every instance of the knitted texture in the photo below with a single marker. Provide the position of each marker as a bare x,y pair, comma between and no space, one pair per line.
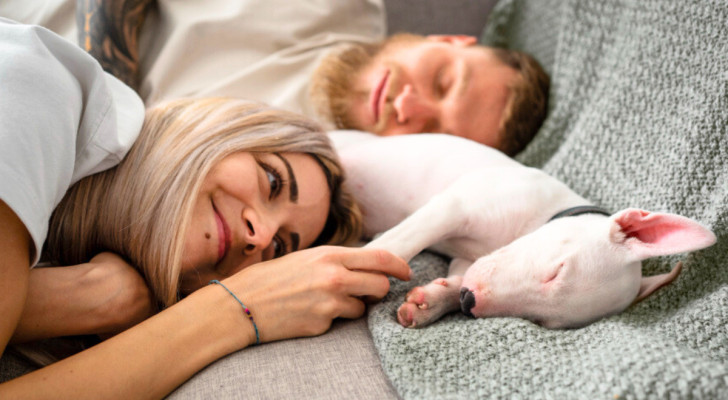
638,118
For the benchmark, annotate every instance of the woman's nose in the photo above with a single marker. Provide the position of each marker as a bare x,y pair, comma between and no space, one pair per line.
411,107
258,233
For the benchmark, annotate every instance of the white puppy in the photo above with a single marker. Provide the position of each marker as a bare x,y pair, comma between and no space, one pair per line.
494,217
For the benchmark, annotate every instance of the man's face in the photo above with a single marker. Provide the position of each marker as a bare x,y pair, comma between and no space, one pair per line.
445,84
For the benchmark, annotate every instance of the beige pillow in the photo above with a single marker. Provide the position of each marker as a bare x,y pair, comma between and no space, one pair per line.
56,15
263,50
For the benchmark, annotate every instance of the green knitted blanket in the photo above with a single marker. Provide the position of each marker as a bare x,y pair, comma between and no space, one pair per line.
638,117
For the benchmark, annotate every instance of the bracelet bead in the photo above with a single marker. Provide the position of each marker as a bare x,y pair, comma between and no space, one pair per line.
245,309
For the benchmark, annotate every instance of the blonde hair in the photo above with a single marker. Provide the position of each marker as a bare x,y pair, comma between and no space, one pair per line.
141,209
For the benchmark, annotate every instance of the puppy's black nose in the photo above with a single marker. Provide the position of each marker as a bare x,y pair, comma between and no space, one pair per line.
467,301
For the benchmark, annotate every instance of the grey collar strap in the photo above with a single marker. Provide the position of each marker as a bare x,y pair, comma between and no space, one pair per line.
580,210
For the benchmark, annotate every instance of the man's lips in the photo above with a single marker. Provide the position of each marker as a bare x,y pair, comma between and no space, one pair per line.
378,97
223,234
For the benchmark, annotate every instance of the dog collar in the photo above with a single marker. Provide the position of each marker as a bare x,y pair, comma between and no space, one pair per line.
580,210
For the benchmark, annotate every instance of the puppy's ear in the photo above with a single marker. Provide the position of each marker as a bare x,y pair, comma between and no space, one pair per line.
647,234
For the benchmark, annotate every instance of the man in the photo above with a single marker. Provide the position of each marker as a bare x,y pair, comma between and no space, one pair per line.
443,83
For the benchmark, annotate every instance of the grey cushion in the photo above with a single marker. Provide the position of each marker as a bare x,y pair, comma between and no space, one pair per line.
13,365
438,16
341,364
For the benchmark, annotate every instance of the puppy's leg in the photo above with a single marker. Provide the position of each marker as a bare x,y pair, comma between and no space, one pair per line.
426,304
438,219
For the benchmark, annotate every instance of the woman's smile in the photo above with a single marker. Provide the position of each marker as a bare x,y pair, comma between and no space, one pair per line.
223,234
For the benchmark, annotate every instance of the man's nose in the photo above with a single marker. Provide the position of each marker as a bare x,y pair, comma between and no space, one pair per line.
258,233
413,108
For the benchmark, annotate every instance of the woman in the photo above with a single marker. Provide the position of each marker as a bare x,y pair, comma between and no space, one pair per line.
212,189
207,136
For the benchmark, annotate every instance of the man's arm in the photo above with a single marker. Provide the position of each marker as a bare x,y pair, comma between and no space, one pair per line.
109,31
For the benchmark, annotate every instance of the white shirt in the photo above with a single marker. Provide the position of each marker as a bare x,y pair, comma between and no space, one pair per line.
61,118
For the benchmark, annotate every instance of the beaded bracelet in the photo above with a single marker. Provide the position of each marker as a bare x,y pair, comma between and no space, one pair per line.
245,309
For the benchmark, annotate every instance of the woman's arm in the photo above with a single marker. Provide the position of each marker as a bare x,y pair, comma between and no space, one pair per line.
296,295
146,361
104,296
14,265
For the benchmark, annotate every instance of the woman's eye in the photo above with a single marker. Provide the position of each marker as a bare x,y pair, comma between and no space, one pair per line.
274,181
279,247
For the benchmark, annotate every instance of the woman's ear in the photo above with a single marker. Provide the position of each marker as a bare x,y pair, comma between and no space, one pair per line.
457,40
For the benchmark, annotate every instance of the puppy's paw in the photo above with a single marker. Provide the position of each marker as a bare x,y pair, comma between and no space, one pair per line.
426,304
406,315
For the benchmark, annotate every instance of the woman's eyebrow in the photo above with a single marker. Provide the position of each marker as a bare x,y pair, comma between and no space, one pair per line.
293,186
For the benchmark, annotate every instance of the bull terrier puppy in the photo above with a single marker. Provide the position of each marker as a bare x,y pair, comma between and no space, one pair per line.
522,243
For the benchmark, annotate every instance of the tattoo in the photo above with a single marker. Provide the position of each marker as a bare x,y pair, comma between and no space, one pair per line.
109,31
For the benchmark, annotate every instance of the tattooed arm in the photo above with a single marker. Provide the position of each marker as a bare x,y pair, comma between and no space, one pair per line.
109,31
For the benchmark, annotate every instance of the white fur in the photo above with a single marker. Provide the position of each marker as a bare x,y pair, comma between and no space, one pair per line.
490,213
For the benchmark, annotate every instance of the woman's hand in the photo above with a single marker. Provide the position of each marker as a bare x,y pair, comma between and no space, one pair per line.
301,293
128,302
104,296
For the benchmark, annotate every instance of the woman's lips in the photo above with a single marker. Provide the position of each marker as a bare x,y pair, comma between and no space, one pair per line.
378,96
223,234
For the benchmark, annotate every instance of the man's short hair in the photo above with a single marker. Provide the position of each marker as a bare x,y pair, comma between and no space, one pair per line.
527,104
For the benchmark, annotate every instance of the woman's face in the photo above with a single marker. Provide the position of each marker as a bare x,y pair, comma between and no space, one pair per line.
253,207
